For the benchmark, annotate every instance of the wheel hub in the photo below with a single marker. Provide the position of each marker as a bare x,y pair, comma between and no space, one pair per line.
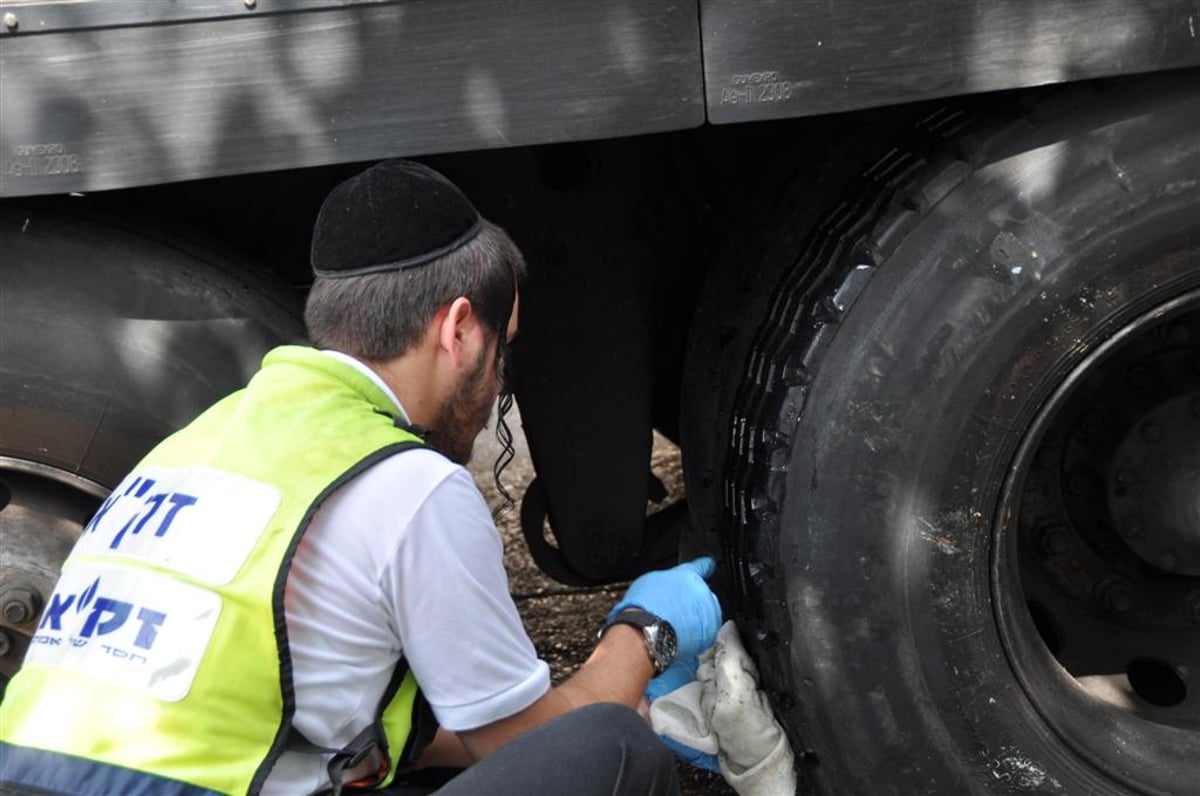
1098,568
1153,487
42,510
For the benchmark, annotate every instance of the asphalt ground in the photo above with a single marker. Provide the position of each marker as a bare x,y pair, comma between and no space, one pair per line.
562,620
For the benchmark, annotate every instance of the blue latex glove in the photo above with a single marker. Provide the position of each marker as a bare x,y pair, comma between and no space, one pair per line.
677,675
680,596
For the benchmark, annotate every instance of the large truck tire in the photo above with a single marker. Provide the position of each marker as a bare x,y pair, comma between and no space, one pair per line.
953,467
110,338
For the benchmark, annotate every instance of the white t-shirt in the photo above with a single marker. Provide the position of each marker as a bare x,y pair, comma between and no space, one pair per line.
404,559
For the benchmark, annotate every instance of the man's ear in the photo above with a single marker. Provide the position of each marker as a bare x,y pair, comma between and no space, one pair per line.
458,322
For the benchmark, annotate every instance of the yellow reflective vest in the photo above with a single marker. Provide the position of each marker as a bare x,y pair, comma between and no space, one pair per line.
160,664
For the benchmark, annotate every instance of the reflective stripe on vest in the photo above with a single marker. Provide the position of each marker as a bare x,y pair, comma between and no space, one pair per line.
162,652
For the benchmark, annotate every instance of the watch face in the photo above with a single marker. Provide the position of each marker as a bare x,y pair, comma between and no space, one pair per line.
667,644
664,643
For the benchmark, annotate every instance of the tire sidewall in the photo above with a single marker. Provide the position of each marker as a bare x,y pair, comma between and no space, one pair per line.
113,336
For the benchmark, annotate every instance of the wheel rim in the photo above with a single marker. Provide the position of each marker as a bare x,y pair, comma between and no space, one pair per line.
42,510
1096,575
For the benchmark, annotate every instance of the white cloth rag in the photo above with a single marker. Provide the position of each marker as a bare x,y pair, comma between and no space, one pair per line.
723,711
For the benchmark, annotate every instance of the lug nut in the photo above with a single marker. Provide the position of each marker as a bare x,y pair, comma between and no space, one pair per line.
1055,540
1115,597
1118,601
19,605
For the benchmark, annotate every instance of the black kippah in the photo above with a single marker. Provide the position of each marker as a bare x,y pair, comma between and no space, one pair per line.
397,214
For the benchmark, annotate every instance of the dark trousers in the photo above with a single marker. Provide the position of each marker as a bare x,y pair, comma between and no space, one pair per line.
599,749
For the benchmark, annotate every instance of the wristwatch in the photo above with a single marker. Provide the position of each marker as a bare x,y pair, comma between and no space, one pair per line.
658,634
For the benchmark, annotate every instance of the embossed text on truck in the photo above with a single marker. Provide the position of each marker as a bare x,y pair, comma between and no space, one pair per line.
756,87
40,160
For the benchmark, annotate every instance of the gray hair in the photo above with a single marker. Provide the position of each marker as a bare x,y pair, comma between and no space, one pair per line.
380,316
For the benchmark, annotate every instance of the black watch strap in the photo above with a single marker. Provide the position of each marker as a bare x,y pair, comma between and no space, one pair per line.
656,631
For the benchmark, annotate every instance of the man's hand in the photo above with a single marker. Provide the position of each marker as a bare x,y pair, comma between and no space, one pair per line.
677,675
721,720
677,717
755,757
680,596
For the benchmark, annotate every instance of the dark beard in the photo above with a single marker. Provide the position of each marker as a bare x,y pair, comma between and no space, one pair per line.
463,416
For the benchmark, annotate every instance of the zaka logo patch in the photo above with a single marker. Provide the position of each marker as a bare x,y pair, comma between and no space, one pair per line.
105,616
137,629
197,521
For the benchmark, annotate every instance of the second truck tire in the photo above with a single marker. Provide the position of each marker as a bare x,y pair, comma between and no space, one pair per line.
112,335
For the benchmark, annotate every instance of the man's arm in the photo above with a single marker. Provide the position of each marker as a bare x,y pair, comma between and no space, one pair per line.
446,584
620,668
445,751
617,671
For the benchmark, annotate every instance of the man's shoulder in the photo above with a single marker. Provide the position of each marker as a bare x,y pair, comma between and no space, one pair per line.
380,506
419,482
416,472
